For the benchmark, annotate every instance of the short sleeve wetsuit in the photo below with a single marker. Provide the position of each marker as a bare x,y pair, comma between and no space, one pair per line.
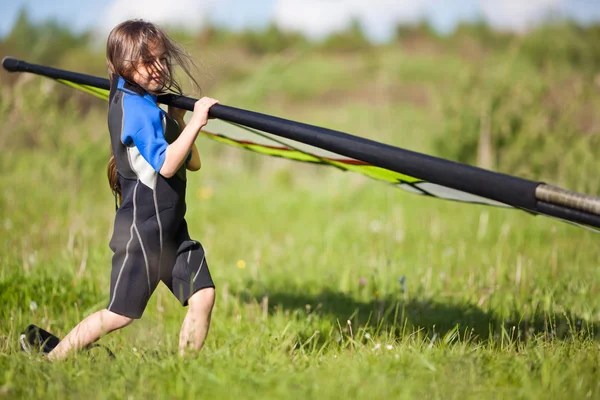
150,239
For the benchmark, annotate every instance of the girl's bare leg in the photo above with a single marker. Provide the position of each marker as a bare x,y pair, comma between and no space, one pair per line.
88,331
197,321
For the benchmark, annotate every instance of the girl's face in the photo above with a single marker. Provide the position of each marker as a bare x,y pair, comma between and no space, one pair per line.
148,75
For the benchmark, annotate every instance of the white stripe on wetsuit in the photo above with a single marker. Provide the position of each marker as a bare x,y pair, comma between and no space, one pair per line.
199,268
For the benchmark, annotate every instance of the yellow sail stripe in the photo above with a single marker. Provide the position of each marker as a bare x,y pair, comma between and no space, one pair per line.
94,91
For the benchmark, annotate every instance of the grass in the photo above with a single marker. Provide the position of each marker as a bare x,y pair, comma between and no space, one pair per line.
329,285
455,301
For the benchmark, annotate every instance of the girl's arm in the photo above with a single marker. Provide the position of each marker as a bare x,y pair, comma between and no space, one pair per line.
194,164
178,151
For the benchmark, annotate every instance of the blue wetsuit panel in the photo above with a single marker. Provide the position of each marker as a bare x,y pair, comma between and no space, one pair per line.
142,125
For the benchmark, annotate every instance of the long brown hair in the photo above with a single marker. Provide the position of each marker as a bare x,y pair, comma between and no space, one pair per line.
131,43
111,172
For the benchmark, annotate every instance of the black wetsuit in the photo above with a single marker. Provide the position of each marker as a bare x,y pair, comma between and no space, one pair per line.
150,239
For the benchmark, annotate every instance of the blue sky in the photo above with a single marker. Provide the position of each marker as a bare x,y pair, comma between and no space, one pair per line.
313,17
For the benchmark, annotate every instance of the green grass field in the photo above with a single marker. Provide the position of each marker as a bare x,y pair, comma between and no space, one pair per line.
329,285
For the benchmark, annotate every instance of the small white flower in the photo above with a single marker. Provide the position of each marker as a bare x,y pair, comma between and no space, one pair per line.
377,346
368,335
32,306
400,235
449,252
134,349
376,226
389,347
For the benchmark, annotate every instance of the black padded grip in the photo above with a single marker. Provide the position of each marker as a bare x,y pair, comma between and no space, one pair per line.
11,64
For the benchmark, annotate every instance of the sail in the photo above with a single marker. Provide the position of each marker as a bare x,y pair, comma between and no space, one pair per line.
414,172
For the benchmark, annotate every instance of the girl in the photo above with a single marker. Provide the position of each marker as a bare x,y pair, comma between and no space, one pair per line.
151,152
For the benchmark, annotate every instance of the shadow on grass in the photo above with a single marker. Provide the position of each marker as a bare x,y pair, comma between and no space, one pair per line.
398,316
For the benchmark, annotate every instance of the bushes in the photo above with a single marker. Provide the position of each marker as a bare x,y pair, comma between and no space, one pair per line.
533,120
46,42
565,44
525,105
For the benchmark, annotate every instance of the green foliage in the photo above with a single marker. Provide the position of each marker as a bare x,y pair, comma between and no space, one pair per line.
44,43
422,29
481,32
351,39
565,44
536,120
271,40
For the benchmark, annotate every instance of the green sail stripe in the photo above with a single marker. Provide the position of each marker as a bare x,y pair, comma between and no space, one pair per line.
291,154
96,92
378,173
365,169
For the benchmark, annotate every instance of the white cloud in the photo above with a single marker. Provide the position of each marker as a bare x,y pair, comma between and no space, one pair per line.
317,18
189,14
516,14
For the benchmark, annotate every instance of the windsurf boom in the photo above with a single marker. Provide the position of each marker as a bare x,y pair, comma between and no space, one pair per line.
417,173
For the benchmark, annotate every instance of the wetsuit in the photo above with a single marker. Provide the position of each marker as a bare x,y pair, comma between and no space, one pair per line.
150,239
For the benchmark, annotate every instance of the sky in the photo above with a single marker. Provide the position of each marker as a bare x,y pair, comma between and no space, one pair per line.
315,18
